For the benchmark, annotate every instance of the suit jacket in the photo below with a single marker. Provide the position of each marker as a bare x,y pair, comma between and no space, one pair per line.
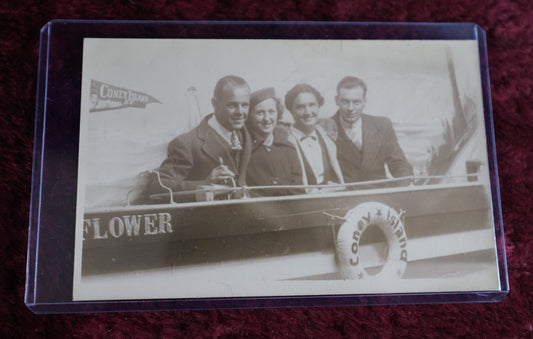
192,156
380,147
331,151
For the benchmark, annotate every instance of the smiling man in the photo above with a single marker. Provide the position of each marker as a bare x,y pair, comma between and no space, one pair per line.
218,149
365,143
317,153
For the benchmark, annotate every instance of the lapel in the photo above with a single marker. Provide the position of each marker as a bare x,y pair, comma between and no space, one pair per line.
331,151
213,146
294,141
246,153
371,141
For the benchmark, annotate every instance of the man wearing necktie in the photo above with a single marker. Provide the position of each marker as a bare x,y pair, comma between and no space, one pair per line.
316,151
218,149
365,143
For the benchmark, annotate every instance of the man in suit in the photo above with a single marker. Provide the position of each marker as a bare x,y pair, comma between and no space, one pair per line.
365,143
218,149
316,151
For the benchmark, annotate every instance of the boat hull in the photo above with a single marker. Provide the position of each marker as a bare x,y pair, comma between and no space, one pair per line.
436,217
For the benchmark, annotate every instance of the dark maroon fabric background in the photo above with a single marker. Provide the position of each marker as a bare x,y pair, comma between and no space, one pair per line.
510,48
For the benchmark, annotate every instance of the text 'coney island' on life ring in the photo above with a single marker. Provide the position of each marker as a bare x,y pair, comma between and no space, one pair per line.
357,220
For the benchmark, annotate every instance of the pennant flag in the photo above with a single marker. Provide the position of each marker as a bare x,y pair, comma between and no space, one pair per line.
105,97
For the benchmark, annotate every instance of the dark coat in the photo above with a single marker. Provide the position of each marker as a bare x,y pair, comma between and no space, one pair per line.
276,165
380,147
192,156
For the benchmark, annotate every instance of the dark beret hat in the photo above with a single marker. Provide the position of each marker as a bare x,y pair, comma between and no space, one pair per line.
261,95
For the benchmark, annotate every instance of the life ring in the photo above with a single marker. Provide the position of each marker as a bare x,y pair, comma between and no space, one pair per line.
357,220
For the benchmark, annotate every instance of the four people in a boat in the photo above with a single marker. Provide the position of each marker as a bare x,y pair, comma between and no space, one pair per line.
243,143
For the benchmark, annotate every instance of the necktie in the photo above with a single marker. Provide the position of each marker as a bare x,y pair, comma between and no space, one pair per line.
235,141
353,135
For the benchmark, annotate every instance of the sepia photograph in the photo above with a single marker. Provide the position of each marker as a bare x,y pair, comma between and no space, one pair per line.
214,168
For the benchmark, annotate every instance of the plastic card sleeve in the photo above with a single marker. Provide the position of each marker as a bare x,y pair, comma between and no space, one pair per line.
374,183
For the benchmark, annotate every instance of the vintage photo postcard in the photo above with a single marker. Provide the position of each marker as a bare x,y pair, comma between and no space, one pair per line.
243,168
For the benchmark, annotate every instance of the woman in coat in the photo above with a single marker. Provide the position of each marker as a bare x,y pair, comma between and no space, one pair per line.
274,160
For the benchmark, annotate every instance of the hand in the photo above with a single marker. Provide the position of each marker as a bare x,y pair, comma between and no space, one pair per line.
219,175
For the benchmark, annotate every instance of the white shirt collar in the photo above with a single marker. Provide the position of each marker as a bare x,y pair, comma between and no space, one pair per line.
268,141
348,126
312,151
221,130
301,135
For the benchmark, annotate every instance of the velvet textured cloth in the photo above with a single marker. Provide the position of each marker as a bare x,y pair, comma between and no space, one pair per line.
510,52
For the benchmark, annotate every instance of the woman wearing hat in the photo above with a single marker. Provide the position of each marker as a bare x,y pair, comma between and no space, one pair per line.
274,160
